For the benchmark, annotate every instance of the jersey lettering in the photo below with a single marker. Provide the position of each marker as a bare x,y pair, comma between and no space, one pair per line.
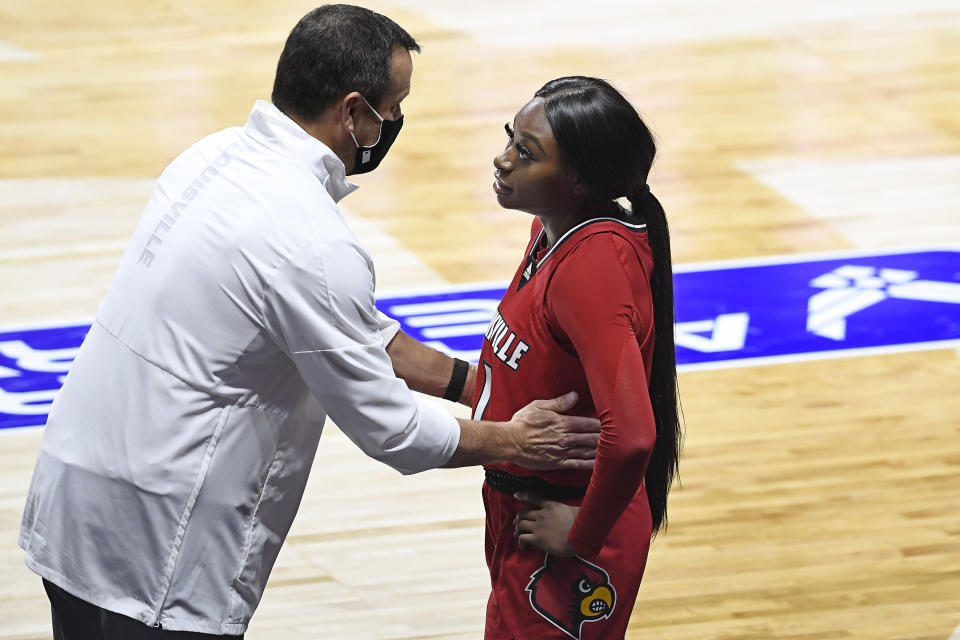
501,338
521,349
502,353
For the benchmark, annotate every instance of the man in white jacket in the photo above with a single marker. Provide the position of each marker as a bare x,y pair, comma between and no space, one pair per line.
241,315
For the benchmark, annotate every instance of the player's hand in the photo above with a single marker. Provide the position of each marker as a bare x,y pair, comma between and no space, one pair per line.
547,439
546,526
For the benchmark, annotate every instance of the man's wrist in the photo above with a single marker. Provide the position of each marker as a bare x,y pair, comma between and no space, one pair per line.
485,442
512,441
503,442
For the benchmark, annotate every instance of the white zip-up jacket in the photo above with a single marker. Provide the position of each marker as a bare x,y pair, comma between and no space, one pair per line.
241,315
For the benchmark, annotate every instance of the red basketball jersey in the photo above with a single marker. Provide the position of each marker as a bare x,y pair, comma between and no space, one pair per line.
579,317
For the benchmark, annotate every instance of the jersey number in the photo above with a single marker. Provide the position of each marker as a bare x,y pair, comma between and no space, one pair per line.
484,398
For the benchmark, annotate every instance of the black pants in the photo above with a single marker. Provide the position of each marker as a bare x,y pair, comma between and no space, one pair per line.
76,619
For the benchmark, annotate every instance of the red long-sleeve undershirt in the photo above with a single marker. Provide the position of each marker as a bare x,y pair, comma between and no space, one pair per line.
599,297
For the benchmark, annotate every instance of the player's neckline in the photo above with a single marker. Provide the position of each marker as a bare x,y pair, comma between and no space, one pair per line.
532,264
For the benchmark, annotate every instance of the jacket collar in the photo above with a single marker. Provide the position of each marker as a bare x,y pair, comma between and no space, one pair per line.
272,128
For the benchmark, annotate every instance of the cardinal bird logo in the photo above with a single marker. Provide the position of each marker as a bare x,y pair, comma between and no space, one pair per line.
571,591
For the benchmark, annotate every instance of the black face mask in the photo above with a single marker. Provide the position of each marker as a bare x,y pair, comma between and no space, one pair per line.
368,158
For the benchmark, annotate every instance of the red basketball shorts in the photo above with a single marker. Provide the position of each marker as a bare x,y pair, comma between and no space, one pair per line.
537,596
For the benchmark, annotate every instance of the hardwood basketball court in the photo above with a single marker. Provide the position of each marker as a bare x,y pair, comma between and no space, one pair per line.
820,499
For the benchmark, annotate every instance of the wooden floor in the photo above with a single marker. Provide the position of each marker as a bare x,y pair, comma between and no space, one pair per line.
820,500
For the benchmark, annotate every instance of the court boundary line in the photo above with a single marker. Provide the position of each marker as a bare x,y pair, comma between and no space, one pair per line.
714,265
812,356
49,324
823,256
719,265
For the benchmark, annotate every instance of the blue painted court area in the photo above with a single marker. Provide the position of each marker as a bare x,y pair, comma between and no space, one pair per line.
732,313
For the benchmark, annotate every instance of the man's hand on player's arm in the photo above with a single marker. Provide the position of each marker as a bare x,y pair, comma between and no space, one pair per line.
425,369
538,436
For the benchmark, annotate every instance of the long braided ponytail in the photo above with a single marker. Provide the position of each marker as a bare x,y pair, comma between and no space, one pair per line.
604,139
664,461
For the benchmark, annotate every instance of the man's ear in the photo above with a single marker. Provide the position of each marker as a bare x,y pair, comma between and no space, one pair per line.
350,103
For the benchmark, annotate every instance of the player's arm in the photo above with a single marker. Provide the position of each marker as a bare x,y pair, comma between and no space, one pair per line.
427,370
602,321
320,310
424,369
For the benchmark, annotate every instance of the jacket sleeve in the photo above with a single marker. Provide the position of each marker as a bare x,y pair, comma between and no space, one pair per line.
320,310
599,298
387,327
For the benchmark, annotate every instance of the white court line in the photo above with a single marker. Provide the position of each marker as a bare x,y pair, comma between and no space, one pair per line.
48,324
807,257
372,235
123,199
393,263
716,265
616,23
10,53
955,635
822,355
39,427
62,250
871,201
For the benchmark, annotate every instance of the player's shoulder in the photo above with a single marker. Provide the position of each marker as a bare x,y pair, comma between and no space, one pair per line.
603,251
601,235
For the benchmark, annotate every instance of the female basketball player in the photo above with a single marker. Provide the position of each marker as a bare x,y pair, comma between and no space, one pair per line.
591,309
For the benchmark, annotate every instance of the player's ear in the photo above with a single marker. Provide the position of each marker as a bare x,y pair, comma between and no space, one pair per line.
577,186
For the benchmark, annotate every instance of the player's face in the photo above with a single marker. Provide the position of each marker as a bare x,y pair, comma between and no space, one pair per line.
531,174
